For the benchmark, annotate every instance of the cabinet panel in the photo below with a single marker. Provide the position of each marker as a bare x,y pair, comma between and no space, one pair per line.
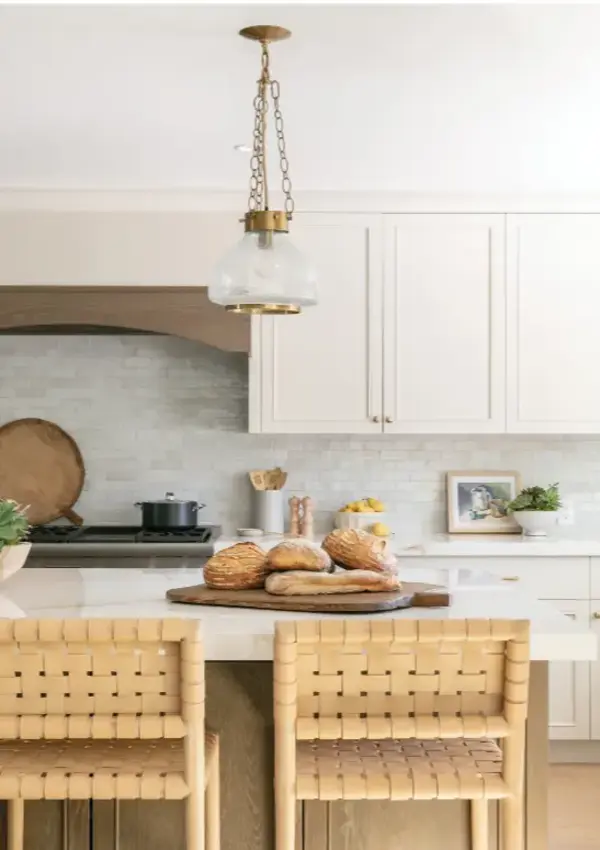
570,686
550,578
595,671
321,372
444,366
553,303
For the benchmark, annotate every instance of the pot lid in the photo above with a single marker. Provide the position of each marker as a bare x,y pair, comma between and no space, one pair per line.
170,500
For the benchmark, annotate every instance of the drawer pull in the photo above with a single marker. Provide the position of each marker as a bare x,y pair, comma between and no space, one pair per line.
375,419
510,578
596,615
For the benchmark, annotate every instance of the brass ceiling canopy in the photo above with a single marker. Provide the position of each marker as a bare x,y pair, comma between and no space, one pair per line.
265,273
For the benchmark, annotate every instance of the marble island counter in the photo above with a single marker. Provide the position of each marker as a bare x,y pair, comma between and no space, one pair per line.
239,704
247,635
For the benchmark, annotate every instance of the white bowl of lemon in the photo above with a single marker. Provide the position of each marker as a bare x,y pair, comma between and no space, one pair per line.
368,514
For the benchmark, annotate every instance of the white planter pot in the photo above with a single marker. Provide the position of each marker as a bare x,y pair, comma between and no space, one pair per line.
12,559
536,523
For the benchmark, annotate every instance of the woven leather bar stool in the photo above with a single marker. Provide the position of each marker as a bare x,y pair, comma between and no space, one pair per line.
106,710
402,710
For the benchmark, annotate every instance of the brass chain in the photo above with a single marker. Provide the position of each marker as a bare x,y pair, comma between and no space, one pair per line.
259,195
286,183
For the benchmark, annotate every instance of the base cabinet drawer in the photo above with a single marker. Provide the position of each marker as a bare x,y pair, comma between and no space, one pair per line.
570,685
546,578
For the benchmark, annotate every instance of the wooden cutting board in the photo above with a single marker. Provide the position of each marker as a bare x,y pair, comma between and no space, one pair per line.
40,466
411,595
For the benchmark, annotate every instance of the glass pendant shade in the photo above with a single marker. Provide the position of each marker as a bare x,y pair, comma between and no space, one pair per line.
264,273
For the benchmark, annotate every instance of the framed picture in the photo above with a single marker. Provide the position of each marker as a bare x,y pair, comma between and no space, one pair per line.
477,502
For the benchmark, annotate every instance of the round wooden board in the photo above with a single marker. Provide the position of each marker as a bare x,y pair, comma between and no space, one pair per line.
40,467
411,595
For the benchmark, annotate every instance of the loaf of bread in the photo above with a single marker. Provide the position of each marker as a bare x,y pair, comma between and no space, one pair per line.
356,549
298,554
303,583
239,567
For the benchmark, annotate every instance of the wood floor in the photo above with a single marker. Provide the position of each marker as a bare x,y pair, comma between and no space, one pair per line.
574,807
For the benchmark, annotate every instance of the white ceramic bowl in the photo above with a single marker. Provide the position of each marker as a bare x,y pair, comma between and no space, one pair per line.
536,523
350,519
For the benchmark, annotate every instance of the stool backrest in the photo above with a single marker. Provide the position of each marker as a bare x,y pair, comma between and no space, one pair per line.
100,678
399,678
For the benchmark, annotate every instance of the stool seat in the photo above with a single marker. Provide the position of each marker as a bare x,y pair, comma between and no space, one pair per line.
393,769
85,769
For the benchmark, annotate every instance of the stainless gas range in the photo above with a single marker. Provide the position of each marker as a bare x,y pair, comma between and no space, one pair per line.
60,545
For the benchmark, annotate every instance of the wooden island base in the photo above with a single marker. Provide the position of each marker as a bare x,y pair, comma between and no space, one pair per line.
239,706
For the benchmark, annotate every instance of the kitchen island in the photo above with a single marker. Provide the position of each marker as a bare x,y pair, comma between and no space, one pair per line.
239,649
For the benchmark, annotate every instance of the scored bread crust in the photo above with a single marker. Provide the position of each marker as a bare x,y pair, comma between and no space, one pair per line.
298,554
242,566
305,583
356,549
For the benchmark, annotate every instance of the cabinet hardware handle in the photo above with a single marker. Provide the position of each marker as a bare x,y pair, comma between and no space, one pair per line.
376,419
596,615
510,578
389,419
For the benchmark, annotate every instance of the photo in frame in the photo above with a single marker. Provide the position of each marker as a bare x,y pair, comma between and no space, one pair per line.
478,500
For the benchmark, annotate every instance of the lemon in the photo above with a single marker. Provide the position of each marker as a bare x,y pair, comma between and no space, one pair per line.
376,505
380,529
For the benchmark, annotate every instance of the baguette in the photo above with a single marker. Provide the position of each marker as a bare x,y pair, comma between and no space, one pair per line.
304,583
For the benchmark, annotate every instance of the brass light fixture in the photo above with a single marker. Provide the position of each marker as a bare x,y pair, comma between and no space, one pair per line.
265,273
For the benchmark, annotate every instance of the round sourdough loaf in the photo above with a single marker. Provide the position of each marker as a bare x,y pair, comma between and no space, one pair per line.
298,554
239,567
355,549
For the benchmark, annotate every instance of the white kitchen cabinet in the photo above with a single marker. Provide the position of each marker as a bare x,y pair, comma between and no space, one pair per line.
553,341
595,672
444,362
321,372
570,685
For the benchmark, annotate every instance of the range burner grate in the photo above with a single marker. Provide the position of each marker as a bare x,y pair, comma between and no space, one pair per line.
118,534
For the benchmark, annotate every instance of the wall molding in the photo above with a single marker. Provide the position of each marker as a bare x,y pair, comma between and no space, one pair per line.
197,200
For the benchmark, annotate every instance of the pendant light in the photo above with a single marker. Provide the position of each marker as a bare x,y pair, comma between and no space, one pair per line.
265,273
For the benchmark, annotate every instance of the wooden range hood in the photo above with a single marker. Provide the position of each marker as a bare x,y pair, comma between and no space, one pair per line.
182,311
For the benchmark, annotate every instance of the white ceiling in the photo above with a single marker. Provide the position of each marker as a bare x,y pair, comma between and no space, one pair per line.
494,98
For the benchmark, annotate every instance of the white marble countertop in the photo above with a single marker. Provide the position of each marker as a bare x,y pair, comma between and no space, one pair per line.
465,546
247,635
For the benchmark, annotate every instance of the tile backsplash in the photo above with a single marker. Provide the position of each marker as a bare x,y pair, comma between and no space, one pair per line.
154,413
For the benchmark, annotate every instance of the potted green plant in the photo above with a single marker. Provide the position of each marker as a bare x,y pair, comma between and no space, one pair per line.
536,509
14,528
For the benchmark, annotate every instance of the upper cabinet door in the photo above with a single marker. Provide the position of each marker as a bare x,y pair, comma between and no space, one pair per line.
321,372
553,320
444,324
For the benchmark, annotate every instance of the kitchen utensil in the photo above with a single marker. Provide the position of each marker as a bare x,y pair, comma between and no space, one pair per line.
268,479
268,510
415,595
169,513
258,479
294,504
306,519
41,467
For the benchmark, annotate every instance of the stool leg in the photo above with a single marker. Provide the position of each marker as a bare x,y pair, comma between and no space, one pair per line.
16,824
213,804
479,825
511,819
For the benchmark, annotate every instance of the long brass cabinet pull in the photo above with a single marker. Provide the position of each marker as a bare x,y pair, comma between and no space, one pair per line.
510,578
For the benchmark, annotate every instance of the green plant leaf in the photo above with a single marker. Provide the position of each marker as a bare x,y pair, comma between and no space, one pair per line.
536,499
